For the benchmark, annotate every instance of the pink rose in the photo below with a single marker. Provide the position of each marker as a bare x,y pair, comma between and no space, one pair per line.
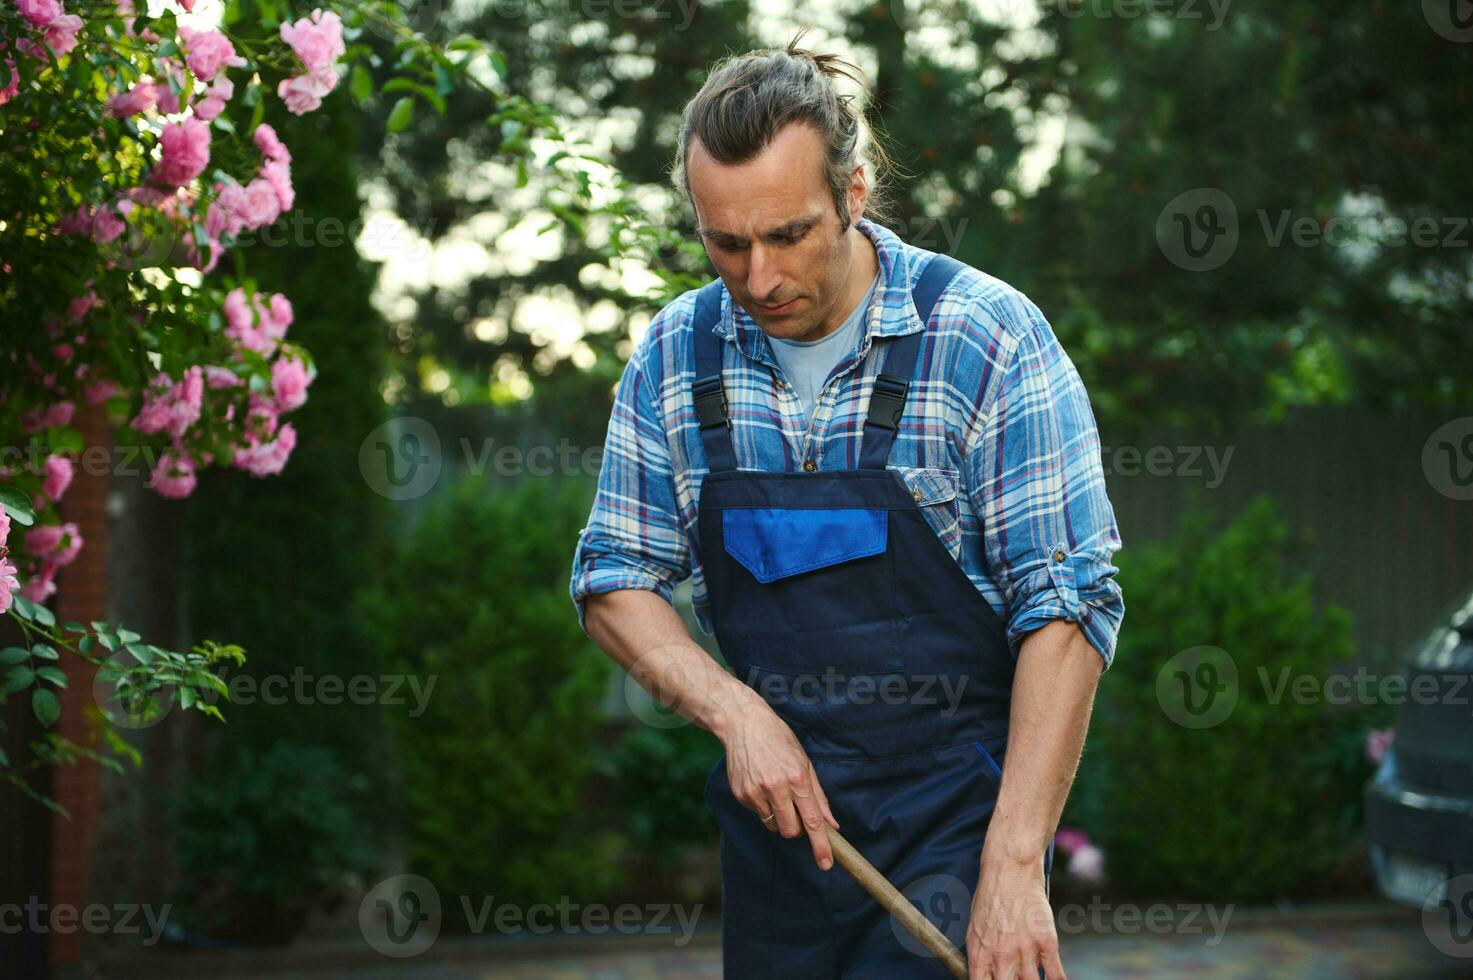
40,587
304,93
278,174
139,98
11,87
270,145
39,13
186,148
173,475
318,40
220,377
99,391
58,476
219,93
207,51
289,381
267,458
9,584
57,543
261,204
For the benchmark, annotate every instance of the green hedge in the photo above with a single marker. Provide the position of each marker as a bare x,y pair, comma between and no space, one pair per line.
1264,802
492,771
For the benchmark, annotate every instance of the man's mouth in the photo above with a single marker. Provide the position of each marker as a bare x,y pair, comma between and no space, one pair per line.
778,310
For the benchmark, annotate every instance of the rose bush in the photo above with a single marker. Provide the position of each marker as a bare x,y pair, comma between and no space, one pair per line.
134,159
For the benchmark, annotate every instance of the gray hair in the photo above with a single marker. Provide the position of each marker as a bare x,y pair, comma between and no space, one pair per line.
747,99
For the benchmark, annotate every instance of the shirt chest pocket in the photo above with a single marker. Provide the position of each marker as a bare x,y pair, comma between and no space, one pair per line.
934,490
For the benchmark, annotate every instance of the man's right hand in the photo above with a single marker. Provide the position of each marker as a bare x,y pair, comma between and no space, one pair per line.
770,774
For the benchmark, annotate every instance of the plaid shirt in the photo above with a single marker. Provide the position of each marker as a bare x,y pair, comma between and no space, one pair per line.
998,445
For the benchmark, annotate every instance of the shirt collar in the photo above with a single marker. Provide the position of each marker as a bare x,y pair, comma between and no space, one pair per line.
892,311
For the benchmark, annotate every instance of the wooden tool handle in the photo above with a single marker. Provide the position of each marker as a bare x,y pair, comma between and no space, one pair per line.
898,905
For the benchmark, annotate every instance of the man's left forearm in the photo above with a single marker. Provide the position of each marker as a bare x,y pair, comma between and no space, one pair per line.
1053,694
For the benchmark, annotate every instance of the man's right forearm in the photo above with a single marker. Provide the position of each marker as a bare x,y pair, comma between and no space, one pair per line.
645,636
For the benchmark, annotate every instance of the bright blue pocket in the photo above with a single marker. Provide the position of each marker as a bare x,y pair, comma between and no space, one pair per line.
774,543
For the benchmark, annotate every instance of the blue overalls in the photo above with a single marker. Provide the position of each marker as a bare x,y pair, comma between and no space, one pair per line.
834,599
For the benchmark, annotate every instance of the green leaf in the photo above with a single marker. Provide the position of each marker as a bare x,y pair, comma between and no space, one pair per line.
4,760
44,651
401,114
18,679
52,674
17,505
128,636
74,626
360,84
46,707
142,651
87,644
14,655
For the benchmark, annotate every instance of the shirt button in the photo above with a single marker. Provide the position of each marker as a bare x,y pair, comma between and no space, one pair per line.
1059,556
916,494
781,383
810,465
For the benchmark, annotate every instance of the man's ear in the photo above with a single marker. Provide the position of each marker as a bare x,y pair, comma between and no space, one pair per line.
858,194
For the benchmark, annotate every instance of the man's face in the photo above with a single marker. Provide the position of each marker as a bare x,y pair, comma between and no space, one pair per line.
771,231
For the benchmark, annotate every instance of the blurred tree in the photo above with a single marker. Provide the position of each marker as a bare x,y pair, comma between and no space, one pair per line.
1219,235
1072,150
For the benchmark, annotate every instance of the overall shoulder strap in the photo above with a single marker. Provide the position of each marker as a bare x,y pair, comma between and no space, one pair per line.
887,400
710,396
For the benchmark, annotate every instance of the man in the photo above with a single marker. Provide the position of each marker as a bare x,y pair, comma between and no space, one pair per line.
883,475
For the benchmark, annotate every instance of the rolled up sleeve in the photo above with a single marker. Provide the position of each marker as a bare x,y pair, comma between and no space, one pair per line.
633,539
1049,530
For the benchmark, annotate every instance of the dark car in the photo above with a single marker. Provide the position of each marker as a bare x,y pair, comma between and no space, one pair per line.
1419,805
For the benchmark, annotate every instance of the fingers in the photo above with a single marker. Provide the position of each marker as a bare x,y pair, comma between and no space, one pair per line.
1053,967
805,797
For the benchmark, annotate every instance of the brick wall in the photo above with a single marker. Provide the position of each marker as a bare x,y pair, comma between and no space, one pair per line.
81,595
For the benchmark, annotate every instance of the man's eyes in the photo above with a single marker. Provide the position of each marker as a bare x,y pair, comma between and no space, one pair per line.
727,245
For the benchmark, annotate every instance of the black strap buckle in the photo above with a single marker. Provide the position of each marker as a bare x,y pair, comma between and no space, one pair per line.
887,402
710,403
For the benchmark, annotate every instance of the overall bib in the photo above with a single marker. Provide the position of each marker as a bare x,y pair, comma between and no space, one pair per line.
833,598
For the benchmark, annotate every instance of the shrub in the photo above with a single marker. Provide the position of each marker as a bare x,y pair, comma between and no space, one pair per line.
1262,803
269,841
477,598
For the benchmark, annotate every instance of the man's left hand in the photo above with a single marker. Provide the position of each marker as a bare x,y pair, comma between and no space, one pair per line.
1011,933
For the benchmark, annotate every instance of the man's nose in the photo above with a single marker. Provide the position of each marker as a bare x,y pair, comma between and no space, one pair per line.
764,275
